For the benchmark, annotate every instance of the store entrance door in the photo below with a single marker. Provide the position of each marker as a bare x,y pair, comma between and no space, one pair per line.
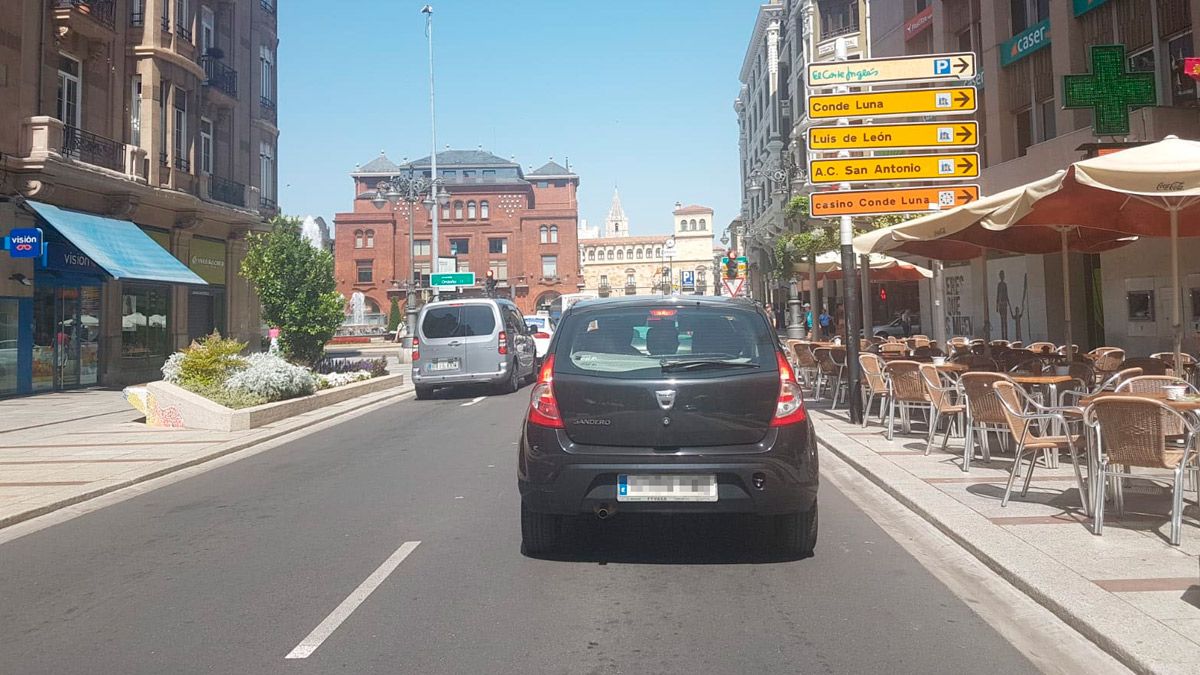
66,328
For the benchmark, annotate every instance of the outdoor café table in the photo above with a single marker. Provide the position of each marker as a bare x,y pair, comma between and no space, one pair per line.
1051,382
1187,405
953,367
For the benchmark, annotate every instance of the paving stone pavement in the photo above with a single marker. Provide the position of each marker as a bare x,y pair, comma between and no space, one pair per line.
1128,590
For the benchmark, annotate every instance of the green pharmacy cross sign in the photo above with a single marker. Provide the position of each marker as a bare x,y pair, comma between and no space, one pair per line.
1110,90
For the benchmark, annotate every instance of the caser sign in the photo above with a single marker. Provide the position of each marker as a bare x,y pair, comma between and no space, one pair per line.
1025,43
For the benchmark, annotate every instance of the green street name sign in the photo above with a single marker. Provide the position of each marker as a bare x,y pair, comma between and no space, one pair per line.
455,279
1085,6
1109,90
1025,43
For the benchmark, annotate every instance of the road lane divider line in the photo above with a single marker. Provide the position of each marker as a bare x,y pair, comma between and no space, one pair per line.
477,399
343,611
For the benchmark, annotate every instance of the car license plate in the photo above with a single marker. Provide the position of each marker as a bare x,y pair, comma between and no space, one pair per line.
444,364
666,488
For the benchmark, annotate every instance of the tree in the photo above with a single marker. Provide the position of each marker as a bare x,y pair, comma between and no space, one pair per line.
295,284
394,315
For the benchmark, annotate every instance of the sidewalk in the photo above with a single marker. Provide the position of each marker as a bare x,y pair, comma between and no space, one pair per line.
68,447
1129,591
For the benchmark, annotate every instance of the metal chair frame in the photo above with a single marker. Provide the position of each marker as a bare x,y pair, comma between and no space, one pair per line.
942,404
905,398
875,383
1029,412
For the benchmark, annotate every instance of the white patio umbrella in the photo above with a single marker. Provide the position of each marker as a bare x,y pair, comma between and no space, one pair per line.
1145,191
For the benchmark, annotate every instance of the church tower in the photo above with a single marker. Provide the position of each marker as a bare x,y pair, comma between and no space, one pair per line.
616,225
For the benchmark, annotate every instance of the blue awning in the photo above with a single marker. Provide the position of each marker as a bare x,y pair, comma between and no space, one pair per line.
118,246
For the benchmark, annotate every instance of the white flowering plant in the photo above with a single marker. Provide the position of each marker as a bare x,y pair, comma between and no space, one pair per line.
330,380
271,377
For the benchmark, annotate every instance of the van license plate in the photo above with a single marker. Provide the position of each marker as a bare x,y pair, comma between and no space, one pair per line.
444,364
666,488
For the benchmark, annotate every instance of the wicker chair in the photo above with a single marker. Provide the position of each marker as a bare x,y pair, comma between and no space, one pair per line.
1062,351
1108,361
1136,431
977,363
1149,366
806,364
893,348
908,393
1152,384
984,413
1021,412
831,366
1169,358
1034,366
942,404
874,384
1109,384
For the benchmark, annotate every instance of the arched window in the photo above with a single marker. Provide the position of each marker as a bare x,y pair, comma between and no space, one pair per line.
458,210
620,255
544,234
658,252
471,210
692,224
703,225
370,238
358,239
683,225
446,211
610,254
638,253
483,209
553,234
591,254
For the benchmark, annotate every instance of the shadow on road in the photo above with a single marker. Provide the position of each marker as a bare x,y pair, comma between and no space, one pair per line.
652,539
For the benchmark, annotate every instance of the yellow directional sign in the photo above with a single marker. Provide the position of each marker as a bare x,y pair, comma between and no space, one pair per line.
907,136
892,200
894,169
942,101
922,68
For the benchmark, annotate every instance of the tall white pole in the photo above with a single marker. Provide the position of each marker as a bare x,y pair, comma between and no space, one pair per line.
433,174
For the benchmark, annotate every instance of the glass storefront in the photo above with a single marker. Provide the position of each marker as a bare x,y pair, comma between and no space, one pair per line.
144,312
9,330
66,336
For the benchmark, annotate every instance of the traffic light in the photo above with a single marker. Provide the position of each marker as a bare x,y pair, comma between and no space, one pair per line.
490,283
883,294
731,267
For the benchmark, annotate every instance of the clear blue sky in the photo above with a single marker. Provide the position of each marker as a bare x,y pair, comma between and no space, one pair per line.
637,94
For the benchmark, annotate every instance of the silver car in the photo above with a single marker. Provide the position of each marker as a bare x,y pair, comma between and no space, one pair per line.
472,341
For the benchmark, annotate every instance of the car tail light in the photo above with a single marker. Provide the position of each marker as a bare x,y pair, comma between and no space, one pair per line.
541,336
789,409
503,342
543,408
416,352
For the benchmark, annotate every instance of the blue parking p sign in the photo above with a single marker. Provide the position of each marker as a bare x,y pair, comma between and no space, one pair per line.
941,66
24,243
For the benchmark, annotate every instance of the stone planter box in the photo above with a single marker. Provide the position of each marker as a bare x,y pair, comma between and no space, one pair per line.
168,405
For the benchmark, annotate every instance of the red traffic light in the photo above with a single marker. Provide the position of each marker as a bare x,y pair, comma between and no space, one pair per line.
882,293
490,274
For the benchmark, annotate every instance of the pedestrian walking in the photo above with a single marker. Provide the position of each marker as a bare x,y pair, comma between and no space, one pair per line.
906,323
826,322
771,313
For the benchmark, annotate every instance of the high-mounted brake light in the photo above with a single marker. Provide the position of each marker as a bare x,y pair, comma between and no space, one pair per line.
662,312
541,336
543,408
789,408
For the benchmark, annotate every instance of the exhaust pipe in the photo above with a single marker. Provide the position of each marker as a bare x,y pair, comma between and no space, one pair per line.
603,511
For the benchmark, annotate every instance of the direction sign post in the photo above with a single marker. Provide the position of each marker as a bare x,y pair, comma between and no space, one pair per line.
911,136
891,200
452,280
941,101
921,68
894,169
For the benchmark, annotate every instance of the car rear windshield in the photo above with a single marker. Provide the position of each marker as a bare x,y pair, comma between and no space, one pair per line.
646,342
539,321
450,321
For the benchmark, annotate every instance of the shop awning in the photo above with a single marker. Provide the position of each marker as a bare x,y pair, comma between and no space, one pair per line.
118,246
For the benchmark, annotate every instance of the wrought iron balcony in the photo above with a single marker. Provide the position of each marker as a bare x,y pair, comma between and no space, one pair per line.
267,204
137,18
267,106
166,24
228,191
163,159
102,11
183,164
183,31
838,31
219,76
92,149
630,289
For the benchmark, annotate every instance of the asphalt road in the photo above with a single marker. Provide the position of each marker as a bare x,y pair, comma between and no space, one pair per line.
230,571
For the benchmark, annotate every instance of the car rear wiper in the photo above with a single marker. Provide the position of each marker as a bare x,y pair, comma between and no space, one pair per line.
702,364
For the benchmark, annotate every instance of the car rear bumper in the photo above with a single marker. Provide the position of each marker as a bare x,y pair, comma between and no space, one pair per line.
427,379
554,481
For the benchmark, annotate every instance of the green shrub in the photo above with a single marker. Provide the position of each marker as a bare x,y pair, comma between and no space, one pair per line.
230,398
394,316
209,361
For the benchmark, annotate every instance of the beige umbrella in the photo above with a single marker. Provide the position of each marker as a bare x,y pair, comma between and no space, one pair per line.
1145,191
883,268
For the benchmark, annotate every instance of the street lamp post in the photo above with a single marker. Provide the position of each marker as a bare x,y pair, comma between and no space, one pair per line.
427,10
411,189
783,176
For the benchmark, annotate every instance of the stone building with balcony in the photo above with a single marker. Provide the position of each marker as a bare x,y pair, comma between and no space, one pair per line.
681,262
522,227
139,137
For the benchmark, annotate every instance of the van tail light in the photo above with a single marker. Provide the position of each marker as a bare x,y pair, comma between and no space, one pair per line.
789,408
503,342
543,408
541,336
416,352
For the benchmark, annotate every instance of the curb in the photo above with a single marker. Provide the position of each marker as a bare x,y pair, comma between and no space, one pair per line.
1083,619
222,450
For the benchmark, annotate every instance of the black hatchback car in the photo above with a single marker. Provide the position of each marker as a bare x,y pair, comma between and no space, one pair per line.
667,405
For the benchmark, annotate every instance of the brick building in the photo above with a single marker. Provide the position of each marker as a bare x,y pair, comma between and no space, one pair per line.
140,137
522,227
